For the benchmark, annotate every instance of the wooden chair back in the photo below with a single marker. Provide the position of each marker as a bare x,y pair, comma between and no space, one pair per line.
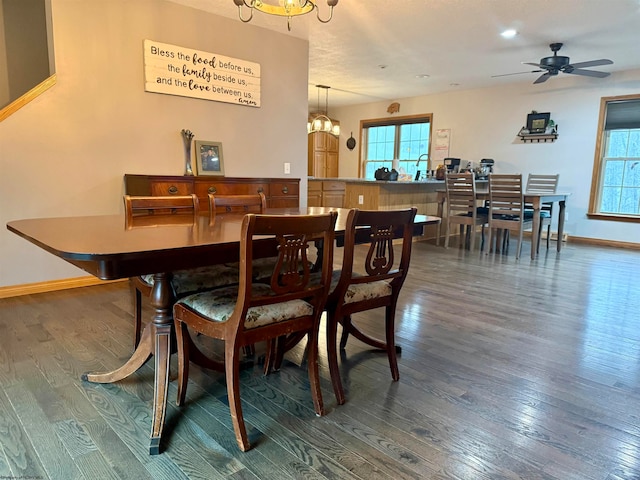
462,205
506,206
381,261
136,206
461,193
236,204
542,183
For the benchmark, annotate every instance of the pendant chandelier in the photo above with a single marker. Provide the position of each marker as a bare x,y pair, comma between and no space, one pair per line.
283,8
320,121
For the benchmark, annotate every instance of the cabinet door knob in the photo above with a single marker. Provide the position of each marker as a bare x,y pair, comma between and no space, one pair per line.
285,189
212,190
173,190
260,190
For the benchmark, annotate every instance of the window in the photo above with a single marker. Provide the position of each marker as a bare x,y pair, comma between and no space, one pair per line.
616,179
403,138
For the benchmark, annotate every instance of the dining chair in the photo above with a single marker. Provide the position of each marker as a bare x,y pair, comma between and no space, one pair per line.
243,204
542,184
368,281
251,312
185,282
462,208
236,204
506,209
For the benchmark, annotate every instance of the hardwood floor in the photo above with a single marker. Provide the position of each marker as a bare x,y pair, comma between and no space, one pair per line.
509,369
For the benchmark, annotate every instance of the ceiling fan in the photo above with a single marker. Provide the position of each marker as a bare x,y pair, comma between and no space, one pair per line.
551,66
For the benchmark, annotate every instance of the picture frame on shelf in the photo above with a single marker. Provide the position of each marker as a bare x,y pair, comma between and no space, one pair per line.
538,122
209,159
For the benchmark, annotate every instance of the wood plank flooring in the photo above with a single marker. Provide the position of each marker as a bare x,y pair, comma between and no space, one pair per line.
510,369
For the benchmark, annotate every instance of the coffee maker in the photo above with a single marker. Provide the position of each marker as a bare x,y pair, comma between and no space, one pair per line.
452,165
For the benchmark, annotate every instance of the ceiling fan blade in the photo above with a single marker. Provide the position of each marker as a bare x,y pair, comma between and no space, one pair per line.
532,64
543,78
588,73
516,73
592,63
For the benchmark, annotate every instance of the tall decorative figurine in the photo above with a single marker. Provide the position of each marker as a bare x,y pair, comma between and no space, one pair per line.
187,136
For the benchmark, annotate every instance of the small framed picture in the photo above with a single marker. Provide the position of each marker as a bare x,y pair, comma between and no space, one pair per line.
209,158
537,122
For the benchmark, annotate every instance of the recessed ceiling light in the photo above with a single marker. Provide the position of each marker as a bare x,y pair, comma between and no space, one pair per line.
422,75
510,33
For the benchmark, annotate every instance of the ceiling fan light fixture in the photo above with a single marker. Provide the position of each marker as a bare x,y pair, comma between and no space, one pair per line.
283,8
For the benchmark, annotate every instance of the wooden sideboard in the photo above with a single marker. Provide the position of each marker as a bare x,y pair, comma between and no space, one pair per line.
279,192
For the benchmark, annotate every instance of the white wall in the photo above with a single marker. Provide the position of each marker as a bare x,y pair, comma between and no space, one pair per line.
66,152
484,124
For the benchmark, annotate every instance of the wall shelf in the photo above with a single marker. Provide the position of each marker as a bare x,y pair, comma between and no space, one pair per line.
538,137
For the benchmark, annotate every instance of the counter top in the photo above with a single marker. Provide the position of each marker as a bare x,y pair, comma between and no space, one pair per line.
375,182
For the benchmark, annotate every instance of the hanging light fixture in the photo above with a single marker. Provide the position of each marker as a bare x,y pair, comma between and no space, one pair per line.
321,122
283,8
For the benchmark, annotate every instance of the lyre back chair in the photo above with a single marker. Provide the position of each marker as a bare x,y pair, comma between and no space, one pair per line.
148,206
236,204
369,281
292,302
462,208
144,208
543,184
506,208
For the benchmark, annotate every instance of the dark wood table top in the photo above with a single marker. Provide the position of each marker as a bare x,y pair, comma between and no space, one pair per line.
107,248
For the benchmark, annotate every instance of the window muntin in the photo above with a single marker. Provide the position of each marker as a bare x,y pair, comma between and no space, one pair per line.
401,139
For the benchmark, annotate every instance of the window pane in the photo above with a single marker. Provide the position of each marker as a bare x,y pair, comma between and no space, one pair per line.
634,144
610,199
632,174
618,140
629,201
613,173
414,140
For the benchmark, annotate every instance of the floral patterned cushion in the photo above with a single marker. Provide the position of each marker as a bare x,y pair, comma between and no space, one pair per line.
217,306
362,291
199,279
366,291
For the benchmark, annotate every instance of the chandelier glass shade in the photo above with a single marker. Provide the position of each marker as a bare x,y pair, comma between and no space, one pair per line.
320,122
283,8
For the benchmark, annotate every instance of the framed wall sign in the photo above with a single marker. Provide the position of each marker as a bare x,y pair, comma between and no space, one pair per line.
209,159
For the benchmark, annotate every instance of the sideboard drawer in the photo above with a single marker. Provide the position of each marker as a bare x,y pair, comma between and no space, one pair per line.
279,189
171,188
203,189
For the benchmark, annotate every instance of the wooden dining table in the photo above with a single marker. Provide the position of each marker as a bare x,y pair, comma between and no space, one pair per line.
534,199
107,247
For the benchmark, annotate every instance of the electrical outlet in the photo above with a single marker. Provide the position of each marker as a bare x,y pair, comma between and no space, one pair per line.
360,199
287,168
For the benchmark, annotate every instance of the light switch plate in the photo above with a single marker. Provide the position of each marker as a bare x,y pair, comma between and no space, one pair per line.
287,167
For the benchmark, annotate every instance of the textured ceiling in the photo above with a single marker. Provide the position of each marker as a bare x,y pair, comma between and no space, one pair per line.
374,49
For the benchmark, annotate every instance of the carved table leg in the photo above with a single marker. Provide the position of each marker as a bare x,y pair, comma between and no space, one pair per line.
156,339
